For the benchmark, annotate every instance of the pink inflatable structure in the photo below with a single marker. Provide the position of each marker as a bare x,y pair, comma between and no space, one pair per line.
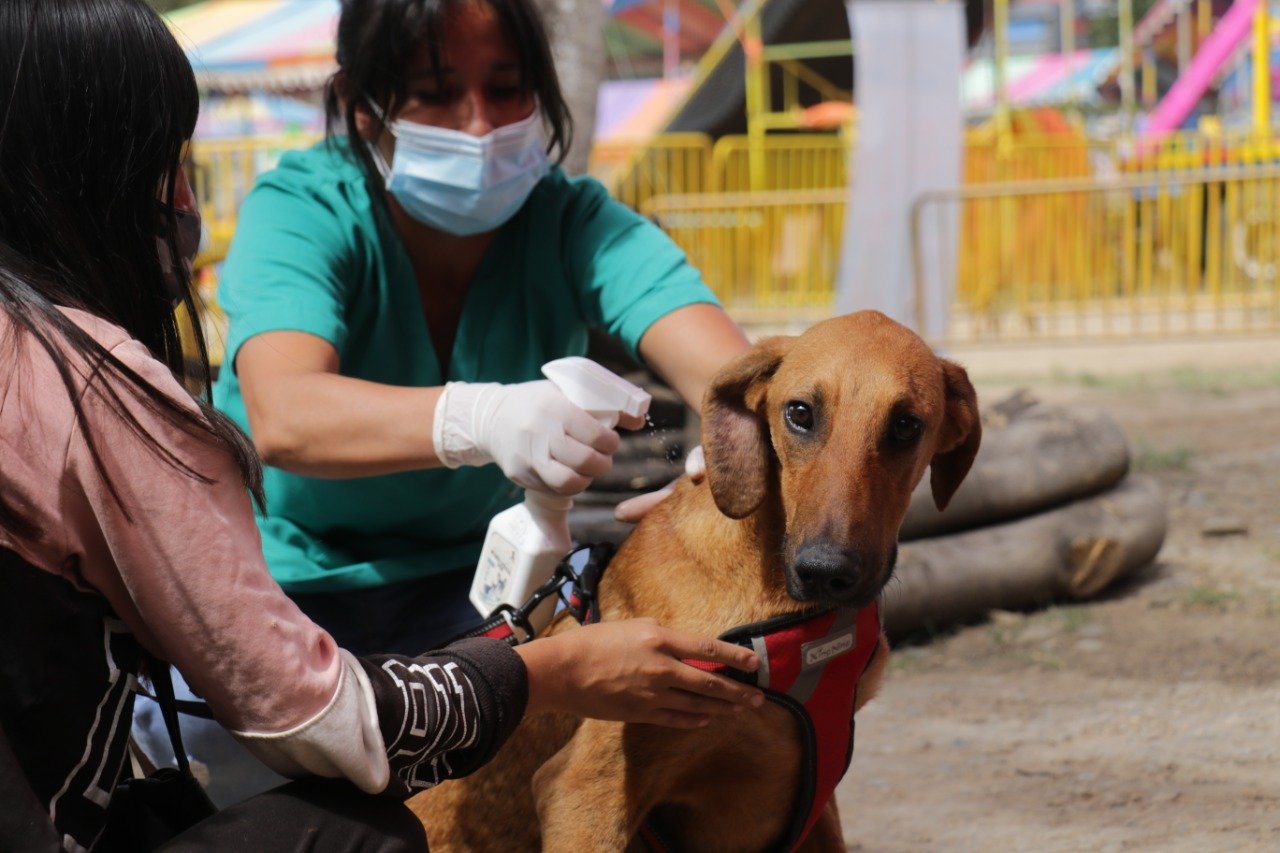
1220,46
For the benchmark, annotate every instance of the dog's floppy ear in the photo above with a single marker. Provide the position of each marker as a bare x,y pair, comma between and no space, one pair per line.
959,438
735,433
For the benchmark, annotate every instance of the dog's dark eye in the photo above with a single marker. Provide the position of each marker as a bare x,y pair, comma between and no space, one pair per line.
905,429
799,416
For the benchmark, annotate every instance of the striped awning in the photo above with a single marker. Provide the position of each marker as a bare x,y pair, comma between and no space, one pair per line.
1042,80
288,45
238,45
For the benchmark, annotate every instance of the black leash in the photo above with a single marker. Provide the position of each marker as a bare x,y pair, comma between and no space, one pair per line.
512,625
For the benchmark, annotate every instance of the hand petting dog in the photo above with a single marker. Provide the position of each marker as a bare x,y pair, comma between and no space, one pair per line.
633,671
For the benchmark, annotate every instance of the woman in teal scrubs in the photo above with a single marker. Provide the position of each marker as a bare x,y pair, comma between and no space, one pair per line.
392,295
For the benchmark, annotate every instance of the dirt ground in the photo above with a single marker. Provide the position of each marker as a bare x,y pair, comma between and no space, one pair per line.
1148,719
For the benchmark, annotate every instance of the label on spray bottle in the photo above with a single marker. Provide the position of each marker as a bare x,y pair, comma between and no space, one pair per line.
494,574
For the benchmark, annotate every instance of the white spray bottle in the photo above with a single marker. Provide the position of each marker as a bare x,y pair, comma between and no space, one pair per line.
526,542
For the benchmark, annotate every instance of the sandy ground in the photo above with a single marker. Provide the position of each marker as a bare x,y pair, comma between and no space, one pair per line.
1148,719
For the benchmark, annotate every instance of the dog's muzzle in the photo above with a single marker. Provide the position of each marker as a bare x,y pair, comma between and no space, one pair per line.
825,573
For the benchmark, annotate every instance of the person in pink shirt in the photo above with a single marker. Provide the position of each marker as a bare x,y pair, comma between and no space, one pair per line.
126,528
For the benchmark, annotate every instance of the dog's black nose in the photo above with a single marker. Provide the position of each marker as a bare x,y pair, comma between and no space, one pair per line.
828,574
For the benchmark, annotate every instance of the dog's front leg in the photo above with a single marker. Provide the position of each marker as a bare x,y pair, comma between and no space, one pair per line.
581,792
592,794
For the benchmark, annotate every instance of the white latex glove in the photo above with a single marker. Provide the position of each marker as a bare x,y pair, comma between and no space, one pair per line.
633,509
539,439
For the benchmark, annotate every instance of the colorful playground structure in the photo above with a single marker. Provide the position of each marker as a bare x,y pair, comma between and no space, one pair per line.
1071,216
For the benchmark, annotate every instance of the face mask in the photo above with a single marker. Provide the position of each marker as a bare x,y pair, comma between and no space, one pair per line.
188,248
460,183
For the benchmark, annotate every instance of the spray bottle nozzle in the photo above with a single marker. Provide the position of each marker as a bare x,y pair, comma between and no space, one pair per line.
596,390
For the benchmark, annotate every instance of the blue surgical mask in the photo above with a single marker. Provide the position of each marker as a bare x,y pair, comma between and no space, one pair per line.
460,183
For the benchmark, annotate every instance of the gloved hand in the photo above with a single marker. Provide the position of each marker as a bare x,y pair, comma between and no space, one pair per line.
533,432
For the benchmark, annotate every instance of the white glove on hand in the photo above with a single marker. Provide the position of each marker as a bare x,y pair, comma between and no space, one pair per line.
539,439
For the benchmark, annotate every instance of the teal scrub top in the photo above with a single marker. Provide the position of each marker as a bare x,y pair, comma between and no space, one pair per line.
315,252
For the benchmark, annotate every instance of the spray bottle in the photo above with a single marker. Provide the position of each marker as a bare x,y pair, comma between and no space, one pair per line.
526,542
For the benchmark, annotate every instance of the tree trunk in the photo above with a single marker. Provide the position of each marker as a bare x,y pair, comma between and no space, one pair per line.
1071,552
576,28
1033,458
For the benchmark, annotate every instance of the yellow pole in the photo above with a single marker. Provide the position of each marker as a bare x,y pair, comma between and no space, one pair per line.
1126,61
758,100
1204,21
1067,17
1262,68
1001,42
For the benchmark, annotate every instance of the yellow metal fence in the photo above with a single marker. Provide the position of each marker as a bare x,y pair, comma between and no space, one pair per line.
1145,254
222,173
770,256
1053,235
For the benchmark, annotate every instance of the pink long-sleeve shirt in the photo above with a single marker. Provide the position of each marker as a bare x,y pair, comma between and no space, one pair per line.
186,574
178,561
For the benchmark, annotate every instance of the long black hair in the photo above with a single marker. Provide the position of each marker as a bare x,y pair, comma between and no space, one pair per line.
378,39
97,101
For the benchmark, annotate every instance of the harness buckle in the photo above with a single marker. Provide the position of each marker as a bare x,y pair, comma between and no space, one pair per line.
581,605
517,627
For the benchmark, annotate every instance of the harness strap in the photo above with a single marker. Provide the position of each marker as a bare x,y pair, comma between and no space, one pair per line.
501,625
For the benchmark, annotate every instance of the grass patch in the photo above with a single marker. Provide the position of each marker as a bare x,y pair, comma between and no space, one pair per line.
1222,382
1000,635
1209,597
1103,382
1046,661
1195,380
1150,458
1074,618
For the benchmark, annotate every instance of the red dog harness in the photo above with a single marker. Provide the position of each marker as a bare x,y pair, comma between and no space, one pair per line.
810,664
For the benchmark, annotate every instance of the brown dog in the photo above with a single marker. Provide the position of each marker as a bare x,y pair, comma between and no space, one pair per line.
813,446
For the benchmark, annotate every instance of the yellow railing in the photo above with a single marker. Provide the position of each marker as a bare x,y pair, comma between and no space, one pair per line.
1054,235
670,163
689,162
768,255
811,161
222,173
1038,157
1163,253
1195,150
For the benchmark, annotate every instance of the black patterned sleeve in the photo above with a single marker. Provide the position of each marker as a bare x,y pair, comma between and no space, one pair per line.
443,715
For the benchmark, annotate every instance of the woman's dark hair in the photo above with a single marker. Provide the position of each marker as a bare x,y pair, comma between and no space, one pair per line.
96,104
378,39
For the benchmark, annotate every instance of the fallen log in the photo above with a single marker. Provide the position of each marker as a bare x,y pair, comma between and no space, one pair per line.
1033,457
1072,552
